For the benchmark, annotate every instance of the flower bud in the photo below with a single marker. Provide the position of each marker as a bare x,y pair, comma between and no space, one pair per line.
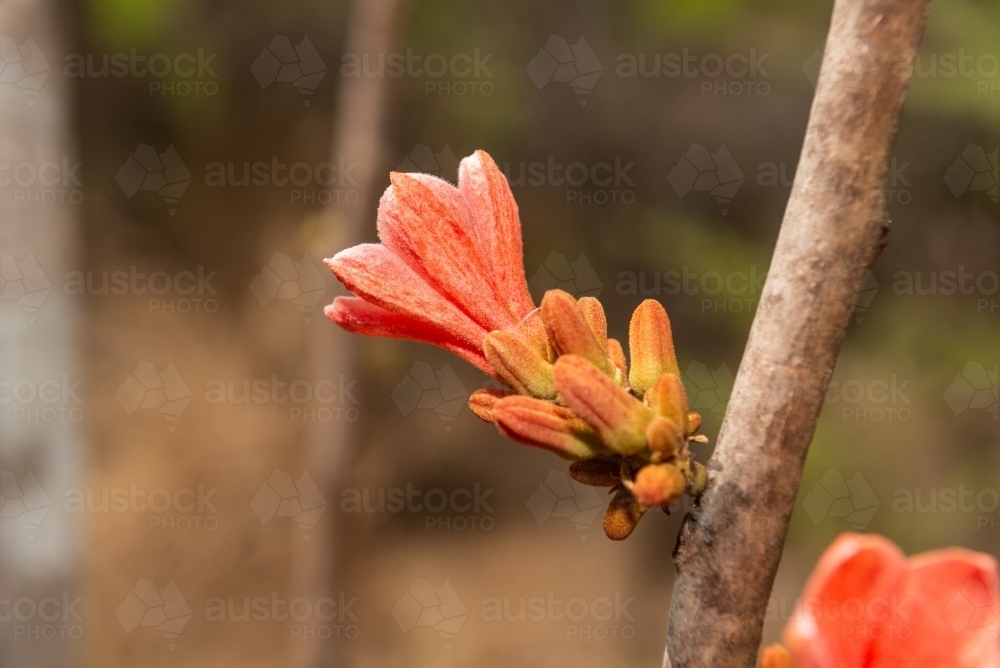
693,422
658,485
622,515
618,364
668,399
593,313
481,402
543,424
664,437
597,472
519,364
568,329
618,417
651,345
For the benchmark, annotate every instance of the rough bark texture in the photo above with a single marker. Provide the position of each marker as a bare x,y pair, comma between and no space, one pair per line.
835,227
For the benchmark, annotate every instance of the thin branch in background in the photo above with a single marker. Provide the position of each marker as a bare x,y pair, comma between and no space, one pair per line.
357,139
834,229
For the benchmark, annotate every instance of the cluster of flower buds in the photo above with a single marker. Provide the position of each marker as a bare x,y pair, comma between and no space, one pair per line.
572,393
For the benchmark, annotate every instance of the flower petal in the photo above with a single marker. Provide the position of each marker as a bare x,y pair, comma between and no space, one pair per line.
497,226
951,614
360,317
855,573
380,276
426,221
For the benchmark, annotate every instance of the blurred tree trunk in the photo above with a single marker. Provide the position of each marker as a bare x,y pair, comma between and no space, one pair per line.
40,458
834,229
357,138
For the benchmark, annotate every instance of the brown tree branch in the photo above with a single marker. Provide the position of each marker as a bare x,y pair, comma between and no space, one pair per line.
834,228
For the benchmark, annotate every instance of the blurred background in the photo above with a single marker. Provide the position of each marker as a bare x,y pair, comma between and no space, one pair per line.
197,469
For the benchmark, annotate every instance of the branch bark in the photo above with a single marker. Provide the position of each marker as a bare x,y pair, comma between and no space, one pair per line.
835,227
359,139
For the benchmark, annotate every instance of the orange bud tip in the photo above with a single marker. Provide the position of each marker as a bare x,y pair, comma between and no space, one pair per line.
651,344
664,438
668,399
658,485
568,329
693,422
481,402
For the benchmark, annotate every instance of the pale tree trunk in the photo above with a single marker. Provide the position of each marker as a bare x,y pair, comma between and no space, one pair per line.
40,452
358,141
834,228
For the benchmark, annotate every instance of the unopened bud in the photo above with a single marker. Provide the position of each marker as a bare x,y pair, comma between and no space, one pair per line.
569,331
658,485
593,313
622,515
617,358
482,401
619,418
668,399
543,424
597,472
651,345
664,437
519,364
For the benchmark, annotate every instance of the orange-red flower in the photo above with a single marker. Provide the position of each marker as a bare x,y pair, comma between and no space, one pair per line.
868,606
449,272
449,269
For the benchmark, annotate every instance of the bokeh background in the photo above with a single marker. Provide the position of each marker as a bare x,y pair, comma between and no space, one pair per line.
198,470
